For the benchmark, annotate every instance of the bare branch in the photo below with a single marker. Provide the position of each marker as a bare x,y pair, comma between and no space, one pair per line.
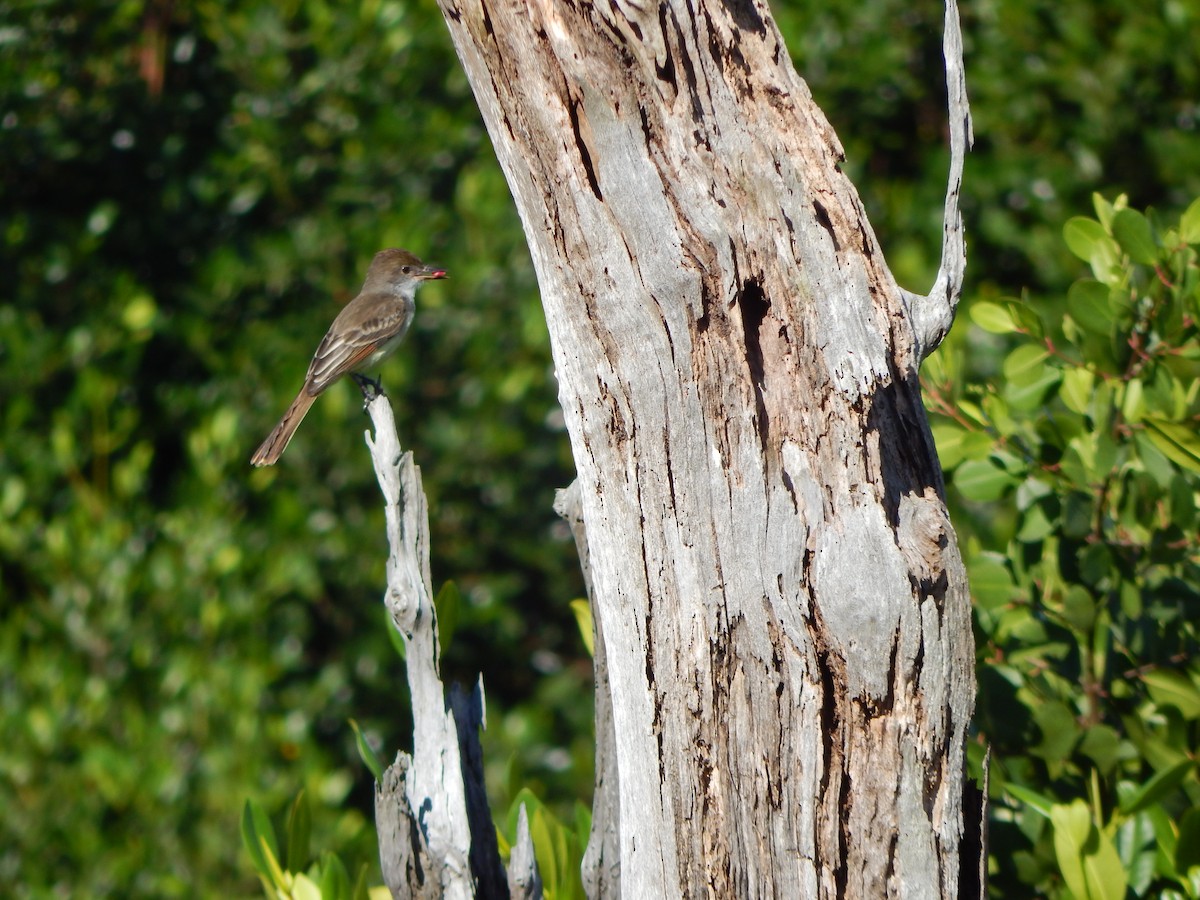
431,806
933,315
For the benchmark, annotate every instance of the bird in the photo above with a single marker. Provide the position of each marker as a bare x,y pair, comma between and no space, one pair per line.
367,329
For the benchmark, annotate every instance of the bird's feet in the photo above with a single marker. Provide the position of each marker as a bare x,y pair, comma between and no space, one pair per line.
370,387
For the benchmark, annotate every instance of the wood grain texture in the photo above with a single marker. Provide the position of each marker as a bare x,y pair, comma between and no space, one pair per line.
784,608
436,838
601,868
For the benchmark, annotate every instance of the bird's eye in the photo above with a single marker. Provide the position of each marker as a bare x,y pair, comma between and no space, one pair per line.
407,270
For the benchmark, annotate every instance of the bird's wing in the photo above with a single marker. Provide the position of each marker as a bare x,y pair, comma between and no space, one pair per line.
353,337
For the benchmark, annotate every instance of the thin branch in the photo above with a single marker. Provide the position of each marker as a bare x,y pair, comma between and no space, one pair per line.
933,314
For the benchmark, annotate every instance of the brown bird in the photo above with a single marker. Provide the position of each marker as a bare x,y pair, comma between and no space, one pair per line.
367,329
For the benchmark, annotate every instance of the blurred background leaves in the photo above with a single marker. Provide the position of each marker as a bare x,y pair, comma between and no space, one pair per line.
189,191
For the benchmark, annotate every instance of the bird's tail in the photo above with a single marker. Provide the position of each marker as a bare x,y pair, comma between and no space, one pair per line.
272,448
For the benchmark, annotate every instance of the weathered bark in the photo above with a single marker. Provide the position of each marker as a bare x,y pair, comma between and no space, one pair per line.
781,597
602,861
524,881
436,838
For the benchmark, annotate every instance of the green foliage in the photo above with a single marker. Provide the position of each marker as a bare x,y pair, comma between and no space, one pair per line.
179,631
367,754
1067,99
298,876
1077,474
583,618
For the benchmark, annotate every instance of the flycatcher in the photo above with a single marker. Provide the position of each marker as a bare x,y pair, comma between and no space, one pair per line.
367,329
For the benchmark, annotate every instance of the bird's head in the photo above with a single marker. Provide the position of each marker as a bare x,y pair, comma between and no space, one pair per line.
398,267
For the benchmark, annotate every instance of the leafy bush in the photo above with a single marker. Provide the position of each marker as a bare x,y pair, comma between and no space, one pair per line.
1075,474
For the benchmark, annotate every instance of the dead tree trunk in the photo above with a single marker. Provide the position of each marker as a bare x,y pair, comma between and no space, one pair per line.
782,602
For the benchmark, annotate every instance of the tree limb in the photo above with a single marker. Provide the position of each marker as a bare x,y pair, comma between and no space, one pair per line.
435,833
932,315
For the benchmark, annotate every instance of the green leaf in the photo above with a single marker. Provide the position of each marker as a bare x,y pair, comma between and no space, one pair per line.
1107,879
1183,503
393,633
1189,224
1164,831
991,582
1026,318
1105,210
541,826
583,619
1019,624
1095,563
1157,788
335,880
972,411
1169,687
1030,798
299,828
955,444
981,479
369,757
1166,396
277,876
1083,235
583,822
1107,453
251,842
1088,240
361,890
1187,850
1078,516
1079,609
1006,317
1025,363
1178,443
1135,235
447,606
1086,857
1035,525
1072,827
1102,745
992,317
1024,396
303,888
1091,307
259,839
1060,731
1137,849
1076,389
1133,405
1029,377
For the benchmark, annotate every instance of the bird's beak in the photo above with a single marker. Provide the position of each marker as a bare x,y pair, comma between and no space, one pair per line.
433,272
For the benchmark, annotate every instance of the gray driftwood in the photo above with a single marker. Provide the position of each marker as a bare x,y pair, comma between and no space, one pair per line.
436,838
782,603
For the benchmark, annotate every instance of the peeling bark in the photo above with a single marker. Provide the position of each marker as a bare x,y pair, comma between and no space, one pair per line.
784,607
